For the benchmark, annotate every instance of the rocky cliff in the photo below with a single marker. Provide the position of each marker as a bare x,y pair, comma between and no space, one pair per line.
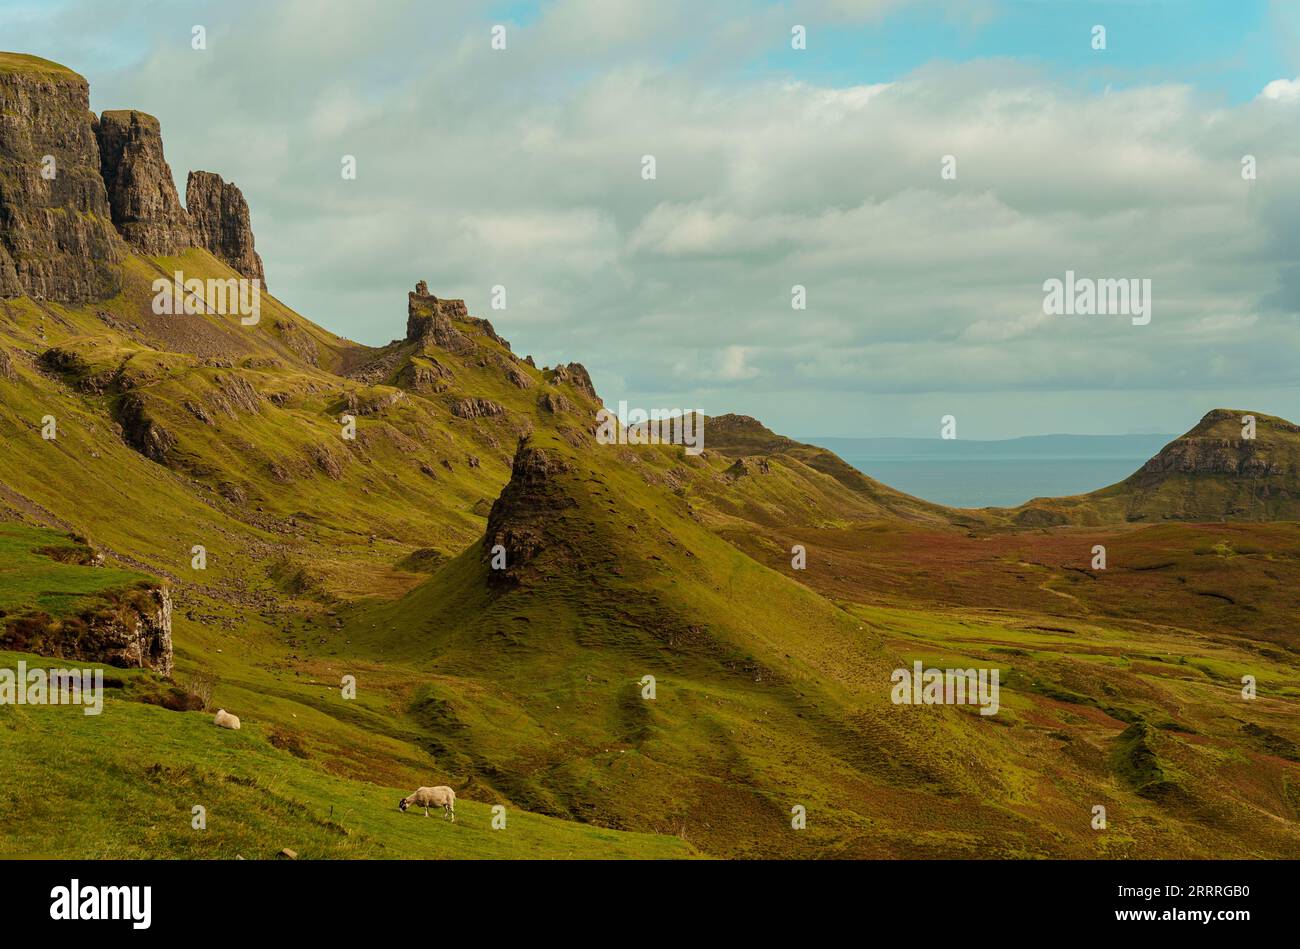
135,633
57,240
141,193
220,222
78,193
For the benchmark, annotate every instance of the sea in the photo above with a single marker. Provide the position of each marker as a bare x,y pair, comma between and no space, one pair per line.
966,473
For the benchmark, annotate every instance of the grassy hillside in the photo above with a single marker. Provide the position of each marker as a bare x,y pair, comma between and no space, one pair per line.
152,766
45,570
370,557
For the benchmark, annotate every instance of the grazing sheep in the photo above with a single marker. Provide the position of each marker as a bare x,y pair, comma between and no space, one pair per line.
226,720
441,796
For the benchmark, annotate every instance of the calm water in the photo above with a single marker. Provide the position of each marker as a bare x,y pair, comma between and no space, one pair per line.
997,473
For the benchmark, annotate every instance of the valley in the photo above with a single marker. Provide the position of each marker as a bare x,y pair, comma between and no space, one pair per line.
347,500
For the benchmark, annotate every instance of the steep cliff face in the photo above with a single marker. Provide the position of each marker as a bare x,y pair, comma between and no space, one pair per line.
220,222
78,193
141,194
57,240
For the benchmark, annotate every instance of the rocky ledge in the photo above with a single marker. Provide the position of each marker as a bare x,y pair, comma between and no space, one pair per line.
133,631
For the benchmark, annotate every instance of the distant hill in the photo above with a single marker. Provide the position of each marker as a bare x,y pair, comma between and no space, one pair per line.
1212,473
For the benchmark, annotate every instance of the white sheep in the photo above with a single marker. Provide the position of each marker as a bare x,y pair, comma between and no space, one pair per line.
441,796
226,720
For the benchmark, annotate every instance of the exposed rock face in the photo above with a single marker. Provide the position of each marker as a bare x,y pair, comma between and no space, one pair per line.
220,222
429,320
744,467
146,209
372,403
1209,456
57,240
142,636
237,395
433,377
476,408
519,517
141,432
1215,446
576,375
136,632
553,402
7,370
485,327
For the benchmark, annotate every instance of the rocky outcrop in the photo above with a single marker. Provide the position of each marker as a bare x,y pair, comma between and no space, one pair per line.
517,379
141,431
234,395
78,193
744,467
134,631
520,516
57,240
485,327
140,635
429,320
576,375
553,402
372,403
146,210
430,376
476,408
220,222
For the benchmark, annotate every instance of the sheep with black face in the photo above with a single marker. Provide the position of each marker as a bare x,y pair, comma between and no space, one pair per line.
441,796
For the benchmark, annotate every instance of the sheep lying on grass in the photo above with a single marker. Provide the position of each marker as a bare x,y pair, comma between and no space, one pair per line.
226,720
441,796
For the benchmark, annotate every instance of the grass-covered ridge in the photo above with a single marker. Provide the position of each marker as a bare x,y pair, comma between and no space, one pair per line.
26,63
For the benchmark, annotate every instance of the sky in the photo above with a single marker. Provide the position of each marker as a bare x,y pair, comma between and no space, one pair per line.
775,167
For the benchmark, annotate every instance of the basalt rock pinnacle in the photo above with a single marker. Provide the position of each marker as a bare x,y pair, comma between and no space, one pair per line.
220,221
146,209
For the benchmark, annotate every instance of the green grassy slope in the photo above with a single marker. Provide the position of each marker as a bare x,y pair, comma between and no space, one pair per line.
44,570
768,697
369,557
151,767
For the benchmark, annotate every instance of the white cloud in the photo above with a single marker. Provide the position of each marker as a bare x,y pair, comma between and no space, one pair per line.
1282,90
523,168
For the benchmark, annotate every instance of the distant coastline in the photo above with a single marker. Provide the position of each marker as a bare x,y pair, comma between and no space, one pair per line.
997,473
